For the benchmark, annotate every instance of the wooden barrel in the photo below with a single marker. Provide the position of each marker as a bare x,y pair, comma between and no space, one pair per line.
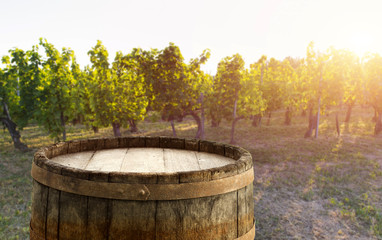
142,188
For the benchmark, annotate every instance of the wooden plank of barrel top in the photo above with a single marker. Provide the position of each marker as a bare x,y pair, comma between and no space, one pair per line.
142,188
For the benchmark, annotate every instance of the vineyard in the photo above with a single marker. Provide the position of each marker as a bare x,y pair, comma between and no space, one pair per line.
52,90
324,188
311,124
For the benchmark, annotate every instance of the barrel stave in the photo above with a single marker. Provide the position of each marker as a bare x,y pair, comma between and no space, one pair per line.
62,215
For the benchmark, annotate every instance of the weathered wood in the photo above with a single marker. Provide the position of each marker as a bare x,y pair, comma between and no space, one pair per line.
223,172
132,219
143,160
168,178
39,205
202,218
251,205
180,160
98,218
100,144
245,209
73,216
111,143
195,176
163,169
107,160
229,151
175,143
75,160
132,142
40,158
52,214
74,146
60,149
191,144
147,160
73,209
88,145
152,142
98,212
209,160
124,187
144,178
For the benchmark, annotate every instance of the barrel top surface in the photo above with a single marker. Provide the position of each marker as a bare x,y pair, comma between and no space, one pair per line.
142,160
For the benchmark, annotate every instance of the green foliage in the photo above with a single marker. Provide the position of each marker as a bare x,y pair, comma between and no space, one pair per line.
177,85
235,84
227,86
117,95
272,85
373,86
129,91
18,83
346,77
56,92
54,89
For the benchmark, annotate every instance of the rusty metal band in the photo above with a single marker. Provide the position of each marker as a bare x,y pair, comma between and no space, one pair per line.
249,235
143,192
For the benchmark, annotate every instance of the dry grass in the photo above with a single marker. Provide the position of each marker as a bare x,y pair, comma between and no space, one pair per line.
325,188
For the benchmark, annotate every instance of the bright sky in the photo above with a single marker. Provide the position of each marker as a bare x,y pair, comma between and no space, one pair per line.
276,28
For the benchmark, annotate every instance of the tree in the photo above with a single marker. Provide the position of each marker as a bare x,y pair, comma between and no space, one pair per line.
177,85
271,87
7,98
289,69
316,81
19,81
78,93
198,84
214,102
242,97
347,72
56,91
373,87
130,91
258,71
118,93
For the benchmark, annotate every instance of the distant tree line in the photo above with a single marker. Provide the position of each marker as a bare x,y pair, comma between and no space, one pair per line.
53,90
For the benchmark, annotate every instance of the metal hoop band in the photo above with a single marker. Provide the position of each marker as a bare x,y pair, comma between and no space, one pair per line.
143,192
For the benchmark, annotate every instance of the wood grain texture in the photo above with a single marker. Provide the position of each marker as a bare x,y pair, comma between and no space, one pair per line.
52,214
98,212
152,142
74,146
98,218
191,144
60,148
39,205
202,218
132,220
180,161
107,160
74,160
73,216
143,160
156,163
209,160
73,209
245,209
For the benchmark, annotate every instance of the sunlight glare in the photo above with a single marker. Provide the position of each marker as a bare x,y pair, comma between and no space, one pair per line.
360,43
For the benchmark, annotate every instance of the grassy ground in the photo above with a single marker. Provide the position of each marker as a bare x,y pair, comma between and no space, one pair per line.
325,188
